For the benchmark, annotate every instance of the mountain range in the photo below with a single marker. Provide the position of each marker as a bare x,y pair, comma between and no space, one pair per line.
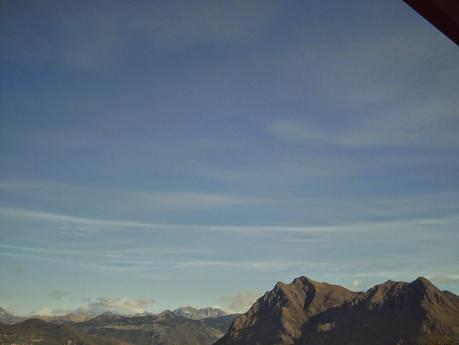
304,312
165,328
39,332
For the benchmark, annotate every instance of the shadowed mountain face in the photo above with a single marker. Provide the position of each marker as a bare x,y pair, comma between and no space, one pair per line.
198,314
311,313
222,323
390,313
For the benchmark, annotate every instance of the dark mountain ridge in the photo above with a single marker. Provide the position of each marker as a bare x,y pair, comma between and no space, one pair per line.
222,323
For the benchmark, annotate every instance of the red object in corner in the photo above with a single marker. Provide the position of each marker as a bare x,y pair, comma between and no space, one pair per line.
443,14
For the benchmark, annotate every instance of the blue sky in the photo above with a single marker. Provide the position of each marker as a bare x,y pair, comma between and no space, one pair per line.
156,154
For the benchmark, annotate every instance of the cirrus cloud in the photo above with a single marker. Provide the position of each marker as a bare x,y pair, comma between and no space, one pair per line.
445,279
240,302
59,294
117,305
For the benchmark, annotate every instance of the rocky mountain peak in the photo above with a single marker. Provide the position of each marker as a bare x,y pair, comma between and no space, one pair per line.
279,315
303,280
306,312
402,293
424,285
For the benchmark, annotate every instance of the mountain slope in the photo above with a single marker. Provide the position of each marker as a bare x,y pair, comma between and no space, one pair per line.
279,315
8,318
310,313
165,328
34,331
162,329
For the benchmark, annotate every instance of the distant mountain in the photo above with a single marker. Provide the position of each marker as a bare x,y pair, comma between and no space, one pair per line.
165,328
8,318
39,332
306,312
104,318
212,317
198,313
162,329
70,317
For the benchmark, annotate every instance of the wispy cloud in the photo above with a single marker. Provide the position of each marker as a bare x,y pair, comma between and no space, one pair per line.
402,127
159,200
369,101
239,302
123,259
59,294
164,262
105,33
55,217
147,262
246,265
199,200
106,224
355,285
445,279
116,305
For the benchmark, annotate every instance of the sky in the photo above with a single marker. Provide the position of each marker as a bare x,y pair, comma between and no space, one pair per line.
155,154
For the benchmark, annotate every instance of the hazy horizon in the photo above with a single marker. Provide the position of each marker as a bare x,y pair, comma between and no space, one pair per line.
159,154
